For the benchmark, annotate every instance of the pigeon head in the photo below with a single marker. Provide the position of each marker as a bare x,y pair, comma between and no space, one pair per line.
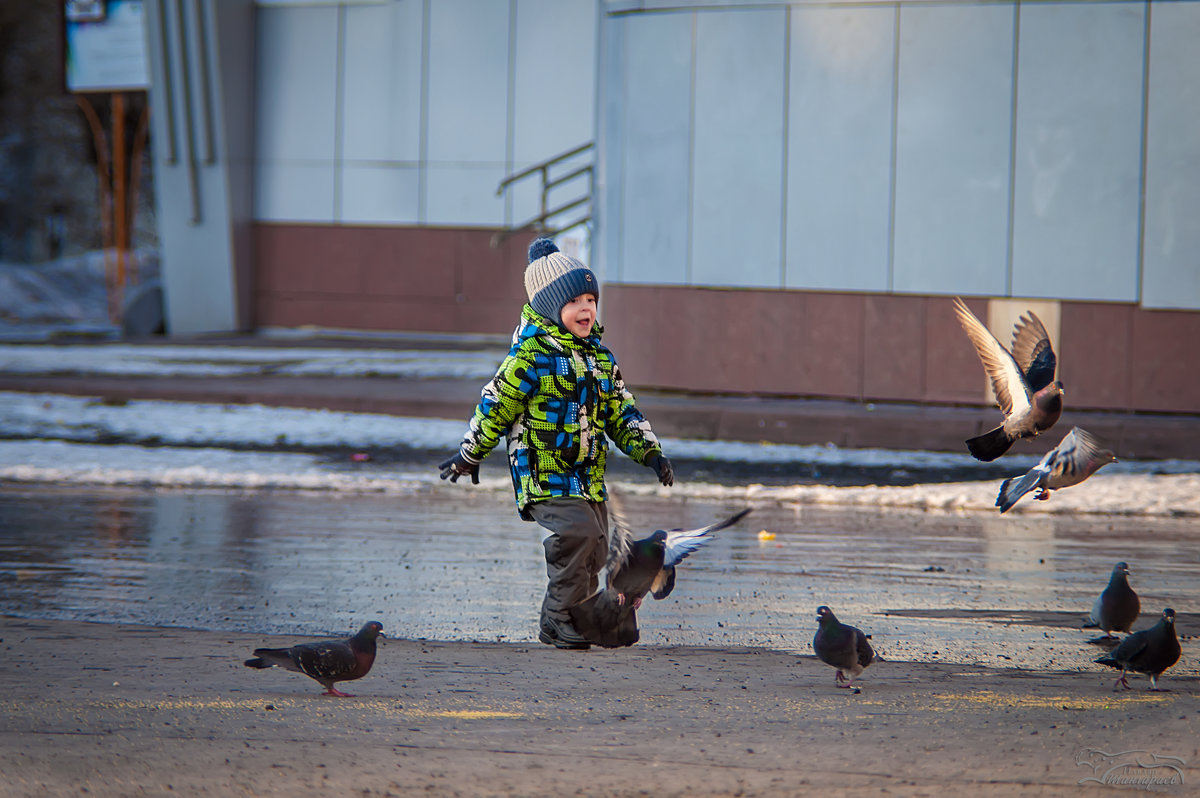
1050,397
1121,568
647,546
824,614
371,630
1168,616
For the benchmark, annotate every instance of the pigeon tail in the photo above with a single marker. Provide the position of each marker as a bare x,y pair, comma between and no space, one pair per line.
990,445
1014,488
269,658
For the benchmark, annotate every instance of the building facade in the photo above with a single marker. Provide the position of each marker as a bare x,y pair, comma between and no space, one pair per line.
787,195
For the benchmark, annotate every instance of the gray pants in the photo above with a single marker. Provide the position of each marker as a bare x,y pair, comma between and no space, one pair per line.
575,551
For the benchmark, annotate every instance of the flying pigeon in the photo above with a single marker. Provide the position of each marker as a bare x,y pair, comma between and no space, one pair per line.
1023,381
637,567
328,661
1077,456
1116,608
842,646
1150,651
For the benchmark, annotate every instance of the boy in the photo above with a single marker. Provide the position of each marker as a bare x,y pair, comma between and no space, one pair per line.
555,396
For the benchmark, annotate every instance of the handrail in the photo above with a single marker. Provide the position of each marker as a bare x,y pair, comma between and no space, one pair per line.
539,222
540,166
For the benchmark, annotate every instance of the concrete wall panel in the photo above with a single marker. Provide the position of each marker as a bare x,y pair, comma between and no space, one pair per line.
1078,151
737,195
952,149
840,148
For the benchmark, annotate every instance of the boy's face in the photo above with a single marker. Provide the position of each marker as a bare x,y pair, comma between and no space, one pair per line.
579,315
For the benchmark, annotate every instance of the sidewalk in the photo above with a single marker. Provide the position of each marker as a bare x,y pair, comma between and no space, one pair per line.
440,377
162,711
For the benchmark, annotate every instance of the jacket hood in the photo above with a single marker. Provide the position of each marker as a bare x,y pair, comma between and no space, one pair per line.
533,324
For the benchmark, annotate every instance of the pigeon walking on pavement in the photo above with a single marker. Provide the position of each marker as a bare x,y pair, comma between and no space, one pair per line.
1150,651
1023,381
1116,608
1077,456
843,646
328,661
634,568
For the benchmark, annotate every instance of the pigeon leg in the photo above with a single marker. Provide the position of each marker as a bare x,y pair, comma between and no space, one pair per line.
1042,495
637,603
1154,688
841,677
336,692
620,599
1121,681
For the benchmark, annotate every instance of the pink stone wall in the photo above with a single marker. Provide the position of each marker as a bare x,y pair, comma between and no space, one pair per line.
866,347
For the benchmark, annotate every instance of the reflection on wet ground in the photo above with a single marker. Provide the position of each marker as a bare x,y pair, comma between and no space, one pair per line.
977,589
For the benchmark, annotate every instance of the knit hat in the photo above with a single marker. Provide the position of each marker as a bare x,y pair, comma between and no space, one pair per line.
552,279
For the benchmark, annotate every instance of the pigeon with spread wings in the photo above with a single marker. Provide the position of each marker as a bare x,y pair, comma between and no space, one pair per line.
1077,456
634,568
1023,381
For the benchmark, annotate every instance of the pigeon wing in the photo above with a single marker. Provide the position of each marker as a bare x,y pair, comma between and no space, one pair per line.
1008,380
1075,458
619,539
1033,353
1131,649
682,542
1094,620
663,584
328,660
866,654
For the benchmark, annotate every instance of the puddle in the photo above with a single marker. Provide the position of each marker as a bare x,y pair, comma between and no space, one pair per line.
967,588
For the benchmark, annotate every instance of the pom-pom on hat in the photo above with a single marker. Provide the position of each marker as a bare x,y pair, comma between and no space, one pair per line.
552,279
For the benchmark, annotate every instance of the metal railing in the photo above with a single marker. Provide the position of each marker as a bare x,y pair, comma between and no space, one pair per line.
541,223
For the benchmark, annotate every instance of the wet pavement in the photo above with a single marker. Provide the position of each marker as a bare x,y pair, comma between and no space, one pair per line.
450,564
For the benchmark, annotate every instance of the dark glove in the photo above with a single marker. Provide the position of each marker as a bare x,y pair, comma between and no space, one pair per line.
458,465
662,467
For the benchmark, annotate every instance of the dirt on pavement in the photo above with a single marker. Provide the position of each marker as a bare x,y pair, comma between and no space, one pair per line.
115,710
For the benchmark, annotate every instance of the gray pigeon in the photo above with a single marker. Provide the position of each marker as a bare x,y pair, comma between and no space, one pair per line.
1023,381
1077,456
1116,608
636,567
843,646
1150,651
328,661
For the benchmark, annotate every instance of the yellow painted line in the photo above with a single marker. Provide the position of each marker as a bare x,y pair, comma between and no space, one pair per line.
315,702
1050,701
465,714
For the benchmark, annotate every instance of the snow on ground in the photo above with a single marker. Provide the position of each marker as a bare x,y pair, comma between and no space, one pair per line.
52,439
57,439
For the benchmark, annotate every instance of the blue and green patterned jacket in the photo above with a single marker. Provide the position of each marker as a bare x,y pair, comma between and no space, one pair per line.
555,397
